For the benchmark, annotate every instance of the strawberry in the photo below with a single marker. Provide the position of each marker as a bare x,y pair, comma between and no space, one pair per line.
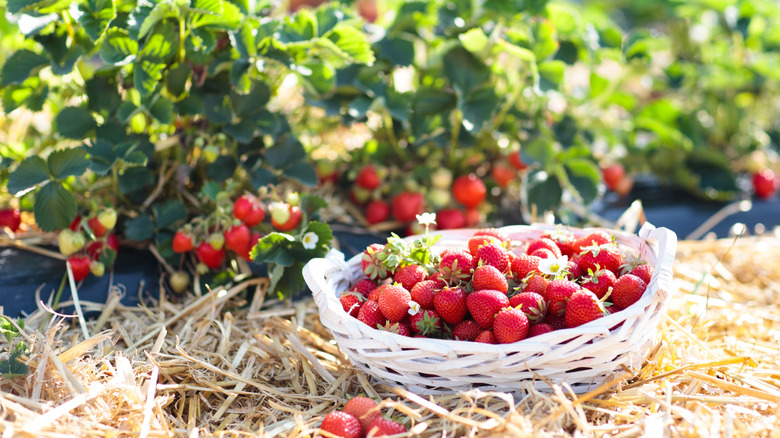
558,294
554,321
377,292
486,337
595,237
97,228
362,408
493,255
364,286
372,263
410,275
510,325
394,303
70,241
370,314
97,268
546,243
495,232
502,174
423,292
544,253
450,219
473,217
237,238
210,256
455,266
476,241
564,240
643,271
425,322
79,265
377,211
216,240
97,248
75,224
583,307
398,328
351,303
488,277
406,206
367,178
613,175
539,329
574,269
516,161
11,218
484,304
604,256
294,218
450,304
599,282
383,427
342,424
182,242
764,183
524,265
248,209
469,190
533,304
107,218
466,330
628,289
179,281
536,283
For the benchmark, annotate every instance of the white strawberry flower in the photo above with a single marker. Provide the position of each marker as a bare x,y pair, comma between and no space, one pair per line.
426,219
554,267
310,240
414,307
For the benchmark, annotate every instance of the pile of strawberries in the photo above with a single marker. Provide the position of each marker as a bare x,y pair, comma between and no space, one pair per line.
360,418
89,244
495,290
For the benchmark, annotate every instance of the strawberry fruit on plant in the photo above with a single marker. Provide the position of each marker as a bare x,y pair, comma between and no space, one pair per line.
507,291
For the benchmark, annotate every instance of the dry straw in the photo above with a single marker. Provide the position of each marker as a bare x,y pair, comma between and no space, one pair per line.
229,365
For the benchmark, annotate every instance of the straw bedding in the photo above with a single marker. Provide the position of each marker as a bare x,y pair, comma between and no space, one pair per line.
224,364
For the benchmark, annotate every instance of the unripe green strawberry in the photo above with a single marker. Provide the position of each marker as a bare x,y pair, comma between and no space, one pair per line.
107,218
210,153
217,241
280,212
201,268
179,281
97,268
70,241
439,198
442,178
293,199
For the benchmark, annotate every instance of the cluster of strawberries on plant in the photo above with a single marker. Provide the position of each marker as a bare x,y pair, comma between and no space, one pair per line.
89,244
360,417
495,290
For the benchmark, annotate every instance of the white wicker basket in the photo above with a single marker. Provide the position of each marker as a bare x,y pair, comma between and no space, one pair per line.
582,356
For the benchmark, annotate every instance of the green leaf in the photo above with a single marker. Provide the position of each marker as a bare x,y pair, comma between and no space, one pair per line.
273,248
353,43
95,16
261,176
243,39
324,235
396,49
541,151
546,42
162,110
229,18
243,131
102,154
320,76
285,152
544,191
32,94
516,51
177,78
14,366
161,44
290,282
551,73
75,122
298,28
31,172
302,172
464,70
55,207
312,203
139,228
169,213
432,101
222,168
135,179
209,7
160,11
68,162
102,94
475,41
584,175
20,65
17,6
598,85
147,75
252,103
118,48
216,109
64,65
478,108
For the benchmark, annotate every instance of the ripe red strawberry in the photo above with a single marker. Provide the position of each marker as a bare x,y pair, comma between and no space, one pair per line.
583,307
599,282
237,238
628,289
209,256
377,211
364,286
484,304
182,242
558,294
406,206
575,271
606,256
425,322
564,240
523,265
556,322
488,277
98,248
533,304
544,253
495,232
351,303
249,210
466,330
11,218
97,228
377,292
510,325
486,337
450,219
394,302
450,304
643,271
292,221
516,161
595,237
536,283
372,263
543,242
613,175
539,329
493,255
342,424
371,315
399,328
764,183
473,217
469,190
367,178
362,408
476,241
455,266
423,293
410,275
502,174
384,427
79,265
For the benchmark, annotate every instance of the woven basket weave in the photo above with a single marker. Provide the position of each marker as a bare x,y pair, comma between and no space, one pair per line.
582,357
